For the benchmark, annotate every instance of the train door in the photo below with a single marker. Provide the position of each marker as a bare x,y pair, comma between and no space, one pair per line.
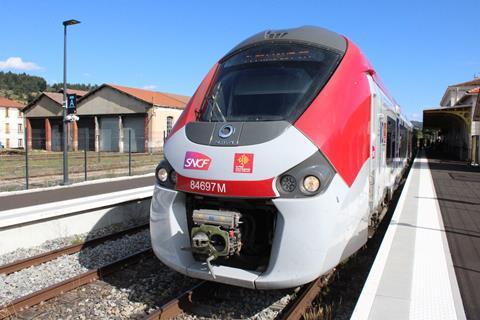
377,149
391,151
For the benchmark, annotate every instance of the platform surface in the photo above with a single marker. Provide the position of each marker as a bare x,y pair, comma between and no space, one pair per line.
413,275
39,197
458,192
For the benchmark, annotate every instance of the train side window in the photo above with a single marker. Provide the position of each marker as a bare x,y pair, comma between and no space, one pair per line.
391,134
403,141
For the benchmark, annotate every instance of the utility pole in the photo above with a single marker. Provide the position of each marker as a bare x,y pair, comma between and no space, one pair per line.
65,126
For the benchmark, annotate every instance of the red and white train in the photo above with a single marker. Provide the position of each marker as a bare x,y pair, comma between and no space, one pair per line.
280,164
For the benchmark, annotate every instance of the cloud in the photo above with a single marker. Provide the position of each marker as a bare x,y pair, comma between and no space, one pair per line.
86,74
415,116
150,87
16,63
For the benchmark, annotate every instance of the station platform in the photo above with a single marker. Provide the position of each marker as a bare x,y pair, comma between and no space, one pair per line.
31,217
428,265
34,197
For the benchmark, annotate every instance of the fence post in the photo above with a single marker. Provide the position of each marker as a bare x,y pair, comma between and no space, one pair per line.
85,153
26,157
129,152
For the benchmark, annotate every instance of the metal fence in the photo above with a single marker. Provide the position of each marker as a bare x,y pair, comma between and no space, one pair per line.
26,169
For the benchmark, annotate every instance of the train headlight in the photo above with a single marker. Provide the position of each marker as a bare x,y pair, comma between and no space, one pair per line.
309,178
166,176
311,183
288,183
162,175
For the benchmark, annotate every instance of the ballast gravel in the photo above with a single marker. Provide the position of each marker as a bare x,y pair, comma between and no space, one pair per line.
129,293
26,281
229,302
24,253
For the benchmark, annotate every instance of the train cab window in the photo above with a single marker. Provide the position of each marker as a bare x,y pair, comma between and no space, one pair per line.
391,136
268,82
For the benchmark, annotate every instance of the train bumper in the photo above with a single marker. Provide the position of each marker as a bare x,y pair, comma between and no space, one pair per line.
312,235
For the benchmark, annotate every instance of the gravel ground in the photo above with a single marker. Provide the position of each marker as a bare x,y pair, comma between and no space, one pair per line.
50,245
35,278
127,294
228,302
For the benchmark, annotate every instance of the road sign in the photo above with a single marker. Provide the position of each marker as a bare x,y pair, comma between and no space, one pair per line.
71,103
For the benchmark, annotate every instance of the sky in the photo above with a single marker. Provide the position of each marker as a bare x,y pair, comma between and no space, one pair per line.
417,47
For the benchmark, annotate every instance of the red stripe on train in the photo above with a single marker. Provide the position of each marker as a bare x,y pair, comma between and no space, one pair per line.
227,188
338,120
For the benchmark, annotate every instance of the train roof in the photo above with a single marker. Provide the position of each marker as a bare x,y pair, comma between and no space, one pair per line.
307,34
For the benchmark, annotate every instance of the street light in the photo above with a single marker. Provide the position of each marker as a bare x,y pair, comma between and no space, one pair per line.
65,140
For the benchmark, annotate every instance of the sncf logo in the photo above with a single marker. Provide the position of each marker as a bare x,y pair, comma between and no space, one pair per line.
196,161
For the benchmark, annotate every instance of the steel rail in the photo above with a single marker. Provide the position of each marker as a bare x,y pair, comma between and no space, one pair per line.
55,290
296,309
74,248
181,303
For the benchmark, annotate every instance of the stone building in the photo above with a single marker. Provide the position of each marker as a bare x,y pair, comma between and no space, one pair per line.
112,119
43,117
457,120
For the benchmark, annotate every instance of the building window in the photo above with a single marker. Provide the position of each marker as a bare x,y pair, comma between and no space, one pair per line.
20,114
20,128
7,143
20,141
7,127
169,125
6,112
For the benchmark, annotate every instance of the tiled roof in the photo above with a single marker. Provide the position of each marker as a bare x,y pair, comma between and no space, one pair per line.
55,96
155,97
79,93
58,96
4,102
474,82
184,99
474,90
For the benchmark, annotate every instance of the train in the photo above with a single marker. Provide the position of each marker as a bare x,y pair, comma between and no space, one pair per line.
281,164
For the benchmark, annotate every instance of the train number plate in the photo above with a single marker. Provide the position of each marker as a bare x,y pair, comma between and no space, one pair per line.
208,186
231,188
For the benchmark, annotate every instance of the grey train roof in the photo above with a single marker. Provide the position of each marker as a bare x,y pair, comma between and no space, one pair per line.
307,34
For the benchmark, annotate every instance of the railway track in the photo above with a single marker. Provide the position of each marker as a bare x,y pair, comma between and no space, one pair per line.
190,299
74,248
20,304
42,295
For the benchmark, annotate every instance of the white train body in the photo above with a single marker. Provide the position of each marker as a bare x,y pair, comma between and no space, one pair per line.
275,199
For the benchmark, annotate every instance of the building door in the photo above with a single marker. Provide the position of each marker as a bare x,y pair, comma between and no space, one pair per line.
136,127
57,134
38,134
109,135
86,133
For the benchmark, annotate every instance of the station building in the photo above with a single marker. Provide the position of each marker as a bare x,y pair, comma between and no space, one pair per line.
113,118
43,119
11,123
457,121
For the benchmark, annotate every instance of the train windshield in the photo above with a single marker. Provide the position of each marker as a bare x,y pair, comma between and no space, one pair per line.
268,82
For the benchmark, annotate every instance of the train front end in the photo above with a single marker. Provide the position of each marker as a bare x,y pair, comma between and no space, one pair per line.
247,194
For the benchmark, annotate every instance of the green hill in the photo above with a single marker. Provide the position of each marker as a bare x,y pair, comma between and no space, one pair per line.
21,87
24,87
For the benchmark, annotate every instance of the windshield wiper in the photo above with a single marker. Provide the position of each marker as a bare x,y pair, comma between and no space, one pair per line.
213,100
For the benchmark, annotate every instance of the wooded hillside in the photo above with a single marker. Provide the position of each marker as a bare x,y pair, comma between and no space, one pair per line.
24,88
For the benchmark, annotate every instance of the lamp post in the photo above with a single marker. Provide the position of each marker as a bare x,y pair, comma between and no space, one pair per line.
65,139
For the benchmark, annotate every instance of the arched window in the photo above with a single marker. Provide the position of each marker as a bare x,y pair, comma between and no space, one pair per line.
169,124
